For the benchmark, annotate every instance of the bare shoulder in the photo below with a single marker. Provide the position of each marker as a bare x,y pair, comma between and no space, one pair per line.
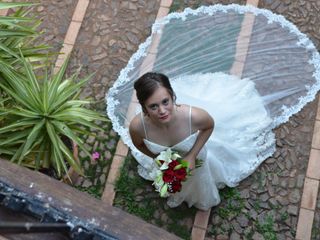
135,126
201,118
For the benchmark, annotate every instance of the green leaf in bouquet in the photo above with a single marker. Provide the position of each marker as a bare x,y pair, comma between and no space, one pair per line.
185,164
164,190
178,167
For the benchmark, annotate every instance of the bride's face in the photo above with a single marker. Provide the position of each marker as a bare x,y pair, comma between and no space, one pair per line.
159,106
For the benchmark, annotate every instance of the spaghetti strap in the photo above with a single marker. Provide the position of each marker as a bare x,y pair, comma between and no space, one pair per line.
190,129
144,127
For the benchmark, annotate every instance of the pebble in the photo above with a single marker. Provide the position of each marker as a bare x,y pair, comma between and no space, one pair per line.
264,197
293,210
235,236
294,196
292,183
132,38
273,202
40,8
257,236
102,178
164,217
107,155
283,192
284,183
86,183
271,191
300,180
138,191
95,145
253,214
111,144
82,154
156,214
222,237
188,222
99,56
243,221
282,200
245,193
275,180
86,165
139,198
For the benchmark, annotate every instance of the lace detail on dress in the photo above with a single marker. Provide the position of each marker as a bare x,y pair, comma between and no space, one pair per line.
245,111
302,41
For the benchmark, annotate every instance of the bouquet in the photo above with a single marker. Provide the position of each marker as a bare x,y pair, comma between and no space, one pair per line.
172,170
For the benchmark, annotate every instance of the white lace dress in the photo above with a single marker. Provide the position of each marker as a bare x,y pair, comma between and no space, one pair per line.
281,74
241,140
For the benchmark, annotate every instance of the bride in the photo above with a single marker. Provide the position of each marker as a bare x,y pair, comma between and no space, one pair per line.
238,69
165,123
226,155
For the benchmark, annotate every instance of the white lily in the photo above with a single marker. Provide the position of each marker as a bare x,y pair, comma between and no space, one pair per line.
175,156
158,182
165,156
164,191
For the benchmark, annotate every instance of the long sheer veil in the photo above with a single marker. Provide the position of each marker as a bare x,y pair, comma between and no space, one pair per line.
237,40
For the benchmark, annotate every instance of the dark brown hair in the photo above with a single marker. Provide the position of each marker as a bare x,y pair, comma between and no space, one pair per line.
148,83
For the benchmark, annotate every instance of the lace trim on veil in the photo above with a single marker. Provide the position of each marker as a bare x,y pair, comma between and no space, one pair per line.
303,41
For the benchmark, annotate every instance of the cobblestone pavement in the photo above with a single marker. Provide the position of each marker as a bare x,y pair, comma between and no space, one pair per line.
270,198
111,33
180,5
103,145
304,14
56,17
265,205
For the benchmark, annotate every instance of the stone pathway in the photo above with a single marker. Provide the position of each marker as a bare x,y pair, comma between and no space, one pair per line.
56,17
268,202
264,206
111,33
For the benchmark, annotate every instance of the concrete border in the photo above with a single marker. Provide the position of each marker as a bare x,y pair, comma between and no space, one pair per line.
311,185
122,150
72,32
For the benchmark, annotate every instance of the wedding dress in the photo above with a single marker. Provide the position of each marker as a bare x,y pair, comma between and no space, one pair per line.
201,51
241,139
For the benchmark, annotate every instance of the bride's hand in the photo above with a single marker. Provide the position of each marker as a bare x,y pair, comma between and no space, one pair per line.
191,160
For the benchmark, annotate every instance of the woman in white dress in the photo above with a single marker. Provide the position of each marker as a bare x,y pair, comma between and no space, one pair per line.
165,123
187,129
244,67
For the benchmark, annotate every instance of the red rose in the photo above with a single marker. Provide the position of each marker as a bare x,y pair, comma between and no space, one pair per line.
168,176
180,174
173,164
176,186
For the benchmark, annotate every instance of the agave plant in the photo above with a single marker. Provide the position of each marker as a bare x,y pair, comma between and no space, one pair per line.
42,111
18,33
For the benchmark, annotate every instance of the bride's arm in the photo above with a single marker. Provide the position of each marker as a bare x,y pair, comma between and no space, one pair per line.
136,131
203,122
